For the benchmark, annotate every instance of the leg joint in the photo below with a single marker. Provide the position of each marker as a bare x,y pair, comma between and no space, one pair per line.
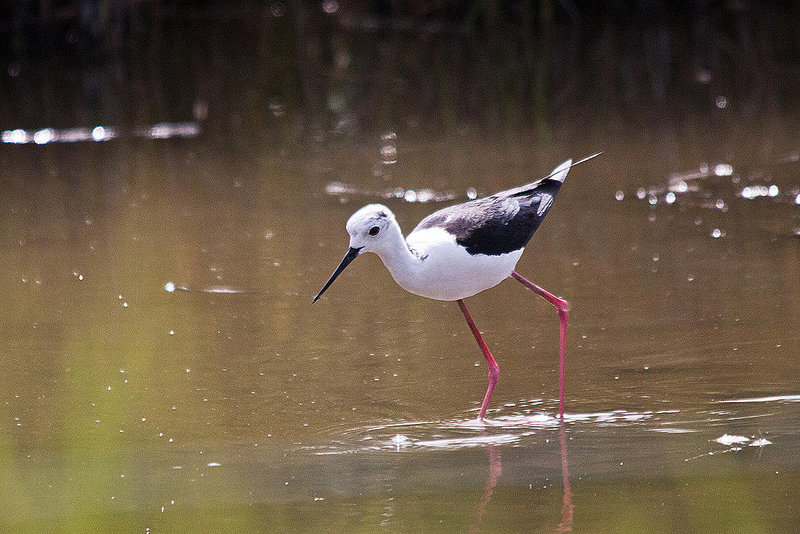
494,372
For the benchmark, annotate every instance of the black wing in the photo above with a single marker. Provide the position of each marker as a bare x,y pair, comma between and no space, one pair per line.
498,224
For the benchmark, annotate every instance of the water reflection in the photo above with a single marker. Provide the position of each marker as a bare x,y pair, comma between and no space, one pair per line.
773,398
424,195
171,287
567,508
721,187
688,185
389,148
495,469
44,136
494,472
417,441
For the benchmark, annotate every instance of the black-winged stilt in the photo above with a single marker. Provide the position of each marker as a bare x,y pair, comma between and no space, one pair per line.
459,251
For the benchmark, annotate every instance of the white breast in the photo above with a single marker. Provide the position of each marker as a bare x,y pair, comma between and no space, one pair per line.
446,271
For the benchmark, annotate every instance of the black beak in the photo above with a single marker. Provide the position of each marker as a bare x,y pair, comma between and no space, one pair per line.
350,256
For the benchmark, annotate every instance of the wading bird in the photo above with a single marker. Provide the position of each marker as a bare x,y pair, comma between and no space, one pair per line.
459,251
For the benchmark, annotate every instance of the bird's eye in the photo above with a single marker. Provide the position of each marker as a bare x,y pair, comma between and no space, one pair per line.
374,230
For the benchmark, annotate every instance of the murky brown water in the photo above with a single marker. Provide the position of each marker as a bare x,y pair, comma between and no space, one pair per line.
231,403
127,404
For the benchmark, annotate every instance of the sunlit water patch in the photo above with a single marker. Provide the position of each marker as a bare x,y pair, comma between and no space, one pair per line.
344,190
719,186
44,136
171,287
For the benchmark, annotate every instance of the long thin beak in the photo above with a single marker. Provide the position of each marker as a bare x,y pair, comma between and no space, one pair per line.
350,256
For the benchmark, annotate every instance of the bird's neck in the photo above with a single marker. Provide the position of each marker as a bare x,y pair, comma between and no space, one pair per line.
398,257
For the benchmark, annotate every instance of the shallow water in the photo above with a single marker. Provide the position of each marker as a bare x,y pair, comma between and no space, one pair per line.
163,367
232,402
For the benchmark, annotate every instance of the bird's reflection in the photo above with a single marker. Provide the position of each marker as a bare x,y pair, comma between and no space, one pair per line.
566,507
496,469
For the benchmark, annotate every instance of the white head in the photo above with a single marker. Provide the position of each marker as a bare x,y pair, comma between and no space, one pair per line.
372,228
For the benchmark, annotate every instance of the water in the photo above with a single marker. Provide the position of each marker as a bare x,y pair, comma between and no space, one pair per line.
163,367
237,399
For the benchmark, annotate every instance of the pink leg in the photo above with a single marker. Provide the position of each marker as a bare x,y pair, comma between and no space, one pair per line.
494,369
563,315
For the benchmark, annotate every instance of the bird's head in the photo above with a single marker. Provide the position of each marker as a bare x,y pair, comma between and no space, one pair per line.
370,226
370,229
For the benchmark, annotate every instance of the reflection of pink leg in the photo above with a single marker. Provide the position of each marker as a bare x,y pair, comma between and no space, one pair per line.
566,507
563,315
494,369
495,470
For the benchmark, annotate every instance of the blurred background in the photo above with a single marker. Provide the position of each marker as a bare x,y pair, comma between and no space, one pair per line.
287,74
175,178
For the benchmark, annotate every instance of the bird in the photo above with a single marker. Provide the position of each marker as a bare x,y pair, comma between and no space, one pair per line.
461,250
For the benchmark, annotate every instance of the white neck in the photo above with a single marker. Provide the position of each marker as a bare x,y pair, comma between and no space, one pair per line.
397,257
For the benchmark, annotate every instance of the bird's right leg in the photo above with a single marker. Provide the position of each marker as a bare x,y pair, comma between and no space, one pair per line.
494,369
562,307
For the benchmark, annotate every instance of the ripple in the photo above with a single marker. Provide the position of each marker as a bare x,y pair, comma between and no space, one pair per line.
773,398
473,441
404,436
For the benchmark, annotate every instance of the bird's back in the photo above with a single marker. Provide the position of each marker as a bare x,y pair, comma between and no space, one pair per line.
503,222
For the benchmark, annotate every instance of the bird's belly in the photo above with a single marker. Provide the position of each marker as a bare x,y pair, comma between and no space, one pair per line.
457,274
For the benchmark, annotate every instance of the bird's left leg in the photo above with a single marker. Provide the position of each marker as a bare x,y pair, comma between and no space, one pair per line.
562,307
494,369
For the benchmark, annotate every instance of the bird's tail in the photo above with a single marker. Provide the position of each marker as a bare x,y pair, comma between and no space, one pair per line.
560,172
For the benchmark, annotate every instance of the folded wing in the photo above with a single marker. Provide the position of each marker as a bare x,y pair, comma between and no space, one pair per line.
503,222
